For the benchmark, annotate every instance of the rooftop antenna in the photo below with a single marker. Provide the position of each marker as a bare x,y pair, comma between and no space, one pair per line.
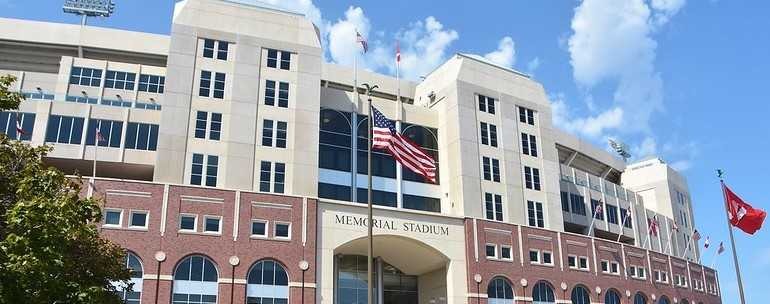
88,8
621,149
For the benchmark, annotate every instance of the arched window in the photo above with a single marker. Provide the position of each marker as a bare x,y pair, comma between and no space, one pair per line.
427,139
640,298
542,293
580,295
135,295
684,301
334,153
500,291
195,281
611,297
663,300
267,283
382,163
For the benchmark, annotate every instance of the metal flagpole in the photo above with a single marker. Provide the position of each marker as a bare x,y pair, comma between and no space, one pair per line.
93,171
593,218
732,239
687,246
369,282
714,258
622,226
399,110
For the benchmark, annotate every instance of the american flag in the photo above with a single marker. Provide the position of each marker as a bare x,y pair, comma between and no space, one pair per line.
721,248
19,129
696,235
360,39
398,53
99,137
652,226
406,152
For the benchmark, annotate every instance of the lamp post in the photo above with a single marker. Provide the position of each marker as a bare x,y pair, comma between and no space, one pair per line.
234,261
160,256
303,265
477,279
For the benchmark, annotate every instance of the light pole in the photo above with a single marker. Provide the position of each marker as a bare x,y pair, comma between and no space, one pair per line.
477,279
303,265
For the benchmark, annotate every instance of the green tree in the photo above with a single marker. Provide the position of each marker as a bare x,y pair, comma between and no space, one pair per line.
50,247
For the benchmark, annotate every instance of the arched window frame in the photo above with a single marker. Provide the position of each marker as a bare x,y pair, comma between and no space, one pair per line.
543,296
612,296
580,295
640,298
132,260
187,290
497,285
664,300
277,292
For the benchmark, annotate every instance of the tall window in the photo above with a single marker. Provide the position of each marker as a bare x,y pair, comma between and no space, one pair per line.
542,293
427,139
382,163
535,214
195,281
627,222
142,136
274,133
565,201
278,59
488,134
532,178
198,166
598,215
580,295
493,203
215,49
499,291
526,116
152,83
8,122
612,214
120,80
578,204
64,129
267,283
486,104
281,88
639,298
663,300
202,124
135,266
529,144
491,168
111,131
611,297
274,171
86,76
212,87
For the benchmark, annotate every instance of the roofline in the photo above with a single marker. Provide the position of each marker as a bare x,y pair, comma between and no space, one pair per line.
263,5
473,57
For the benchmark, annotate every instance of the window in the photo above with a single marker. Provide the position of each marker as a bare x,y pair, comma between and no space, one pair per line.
597,213
267,283
579,262
138,219
637,272
212,224
529,144
505,253
526,116
283,93
532,178
133,263
282,231
577,202
211,46
152,83
259,228
663,300
612,297
64,129
188,222
491,169
278,177
86,76
540,257
206,90
142,136
493,203
542,293
491,251
488,134
120,80
110,130
534,256
8,121
486,104
612,214
214,127
499,291
335,147
564,201
535,214
572,261
583,263
278,59
580,295
113,217
211,166
614,268
195,281
271,130
640,299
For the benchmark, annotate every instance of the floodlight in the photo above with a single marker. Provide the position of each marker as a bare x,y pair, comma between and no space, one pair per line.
91,8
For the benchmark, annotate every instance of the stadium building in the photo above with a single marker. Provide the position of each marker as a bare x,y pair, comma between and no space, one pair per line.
233,170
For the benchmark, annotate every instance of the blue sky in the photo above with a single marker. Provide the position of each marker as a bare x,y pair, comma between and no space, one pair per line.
685,80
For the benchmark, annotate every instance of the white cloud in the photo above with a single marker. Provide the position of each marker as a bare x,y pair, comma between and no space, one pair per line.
532,65
307,8
505,54
648,147
593,126
424,46
342,46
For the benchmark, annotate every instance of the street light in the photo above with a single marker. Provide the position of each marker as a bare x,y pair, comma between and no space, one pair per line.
88,8
477,279
621,149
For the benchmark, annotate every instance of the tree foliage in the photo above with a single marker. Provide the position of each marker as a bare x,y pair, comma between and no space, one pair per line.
50,247
8,100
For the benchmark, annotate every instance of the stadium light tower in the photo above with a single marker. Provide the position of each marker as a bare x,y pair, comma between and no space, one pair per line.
621,149
88,8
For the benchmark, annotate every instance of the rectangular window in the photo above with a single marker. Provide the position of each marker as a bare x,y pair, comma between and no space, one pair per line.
270,92
113,217
535,214
505,253
547,258
64,129
211,46
564,201
111,132
487,167
205,84
202,124
274,129
594,205
527,116
212,165
267,133
201,120
138,219
488,134
278,59
486,104
534,256
577,202
283,94
215,128
279,177
265,170
484,134
282,231
491,251
494,206
532,178
614,267
605,266
8,121
219,86
612,214
206,89
281,88
259,228
572,261
197,172
280,134
583,263
529,144
86,76
212,224
155,83
208,48
120,80
188,222
142,136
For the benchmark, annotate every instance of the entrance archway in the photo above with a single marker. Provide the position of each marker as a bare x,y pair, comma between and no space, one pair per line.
406,271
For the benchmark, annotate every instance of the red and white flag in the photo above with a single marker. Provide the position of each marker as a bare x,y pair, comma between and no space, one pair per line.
741,214
597,210
99,137
695,235
398,53
405,151
721,248
360,39
19,129
652,225
706,243
675,227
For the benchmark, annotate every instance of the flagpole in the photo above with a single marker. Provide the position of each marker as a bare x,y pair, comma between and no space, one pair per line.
593,218
399,110
687,246
622,226
714,258
369,199
732,241
96,148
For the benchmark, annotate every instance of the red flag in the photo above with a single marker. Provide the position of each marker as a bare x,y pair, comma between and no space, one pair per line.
721,248
652,226
741,214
